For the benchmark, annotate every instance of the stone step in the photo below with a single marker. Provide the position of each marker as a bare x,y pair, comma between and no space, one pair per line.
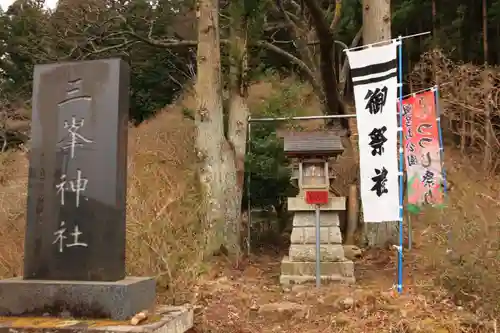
307,252
287,280
299,204
307,235
342,268
308,219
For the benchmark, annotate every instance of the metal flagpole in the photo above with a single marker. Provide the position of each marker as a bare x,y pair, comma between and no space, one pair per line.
401,159
332,116
318,248
440,133
249,198
409,231
441,152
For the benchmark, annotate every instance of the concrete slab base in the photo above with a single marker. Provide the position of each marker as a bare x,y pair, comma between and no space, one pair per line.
307,268
117,300
165,319
287,280
307,252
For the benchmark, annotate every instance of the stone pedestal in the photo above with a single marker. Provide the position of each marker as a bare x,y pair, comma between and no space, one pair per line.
117,300
300,265
162,319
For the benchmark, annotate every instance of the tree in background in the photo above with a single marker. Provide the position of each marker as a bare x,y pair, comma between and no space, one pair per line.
217,165
376,28
376,21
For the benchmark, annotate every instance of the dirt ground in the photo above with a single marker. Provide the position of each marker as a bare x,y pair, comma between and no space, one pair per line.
250,299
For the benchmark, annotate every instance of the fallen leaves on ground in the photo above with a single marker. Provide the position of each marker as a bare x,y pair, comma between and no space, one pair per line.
250,299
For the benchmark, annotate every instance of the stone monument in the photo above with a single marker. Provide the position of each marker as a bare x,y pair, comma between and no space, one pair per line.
312,154
75,236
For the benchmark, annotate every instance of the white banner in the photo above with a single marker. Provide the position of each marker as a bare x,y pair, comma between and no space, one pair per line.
374,74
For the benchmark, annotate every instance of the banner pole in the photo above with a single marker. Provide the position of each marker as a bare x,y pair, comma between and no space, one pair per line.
401,159
440,134
318,247
249,192
441,153
409,231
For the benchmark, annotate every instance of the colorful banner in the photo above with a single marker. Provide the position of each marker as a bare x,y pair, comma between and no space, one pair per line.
374,75
422,151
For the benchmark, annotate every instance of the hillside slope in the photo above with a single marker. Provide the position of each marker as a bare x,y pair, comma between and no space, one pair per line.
453,266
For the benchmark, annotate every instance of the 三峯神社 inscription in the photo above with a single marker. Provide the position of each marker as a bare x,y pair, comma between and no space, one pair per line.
76,210
74,260
74,257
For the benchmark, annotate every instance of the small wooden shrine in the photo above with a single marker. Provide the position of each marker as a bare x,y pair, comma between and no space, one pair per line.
313,154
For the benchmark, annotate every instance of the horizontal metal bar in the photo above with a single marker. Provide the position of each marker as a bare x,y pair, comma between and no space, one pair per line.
386,41
433,88
333,116
419,92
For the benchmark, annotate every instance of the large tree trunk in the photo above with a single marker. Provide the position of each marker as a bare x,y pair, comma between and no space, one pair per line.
232,192
237,131
377,27
210,140
376,21
222,161
485,31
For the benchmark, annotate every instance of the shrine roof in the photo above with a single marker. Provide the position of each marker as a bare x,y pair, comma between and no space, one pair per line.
312,143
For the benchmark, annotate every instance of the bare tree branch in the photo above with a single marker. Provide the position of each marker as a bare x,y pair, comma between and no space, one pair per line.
312,37
126,44
345,66
299,34
327,64
336,17
134,38
296,61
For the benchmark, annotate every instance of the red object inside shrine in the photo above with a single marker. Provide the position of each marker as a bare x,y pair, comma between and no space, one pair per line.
317,197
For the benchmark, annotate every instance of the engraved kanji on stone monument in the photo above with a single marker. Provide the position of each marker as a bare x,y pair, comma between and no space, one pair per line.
74,100
61,237
77,186
76,213
74,260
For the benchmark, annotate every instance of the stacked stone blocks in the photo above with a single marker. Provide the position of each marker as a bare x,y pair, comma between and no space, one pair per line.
300,265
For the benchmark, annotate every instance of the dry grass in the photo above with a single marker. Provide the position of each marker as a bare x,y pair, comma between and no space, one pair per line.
469,229
461,243
13,184
164,232
285,97
164,235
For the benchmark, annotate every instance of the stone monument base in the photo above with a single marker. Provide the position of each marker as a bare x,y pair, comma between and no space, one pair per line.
117,300
298,272
165,319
